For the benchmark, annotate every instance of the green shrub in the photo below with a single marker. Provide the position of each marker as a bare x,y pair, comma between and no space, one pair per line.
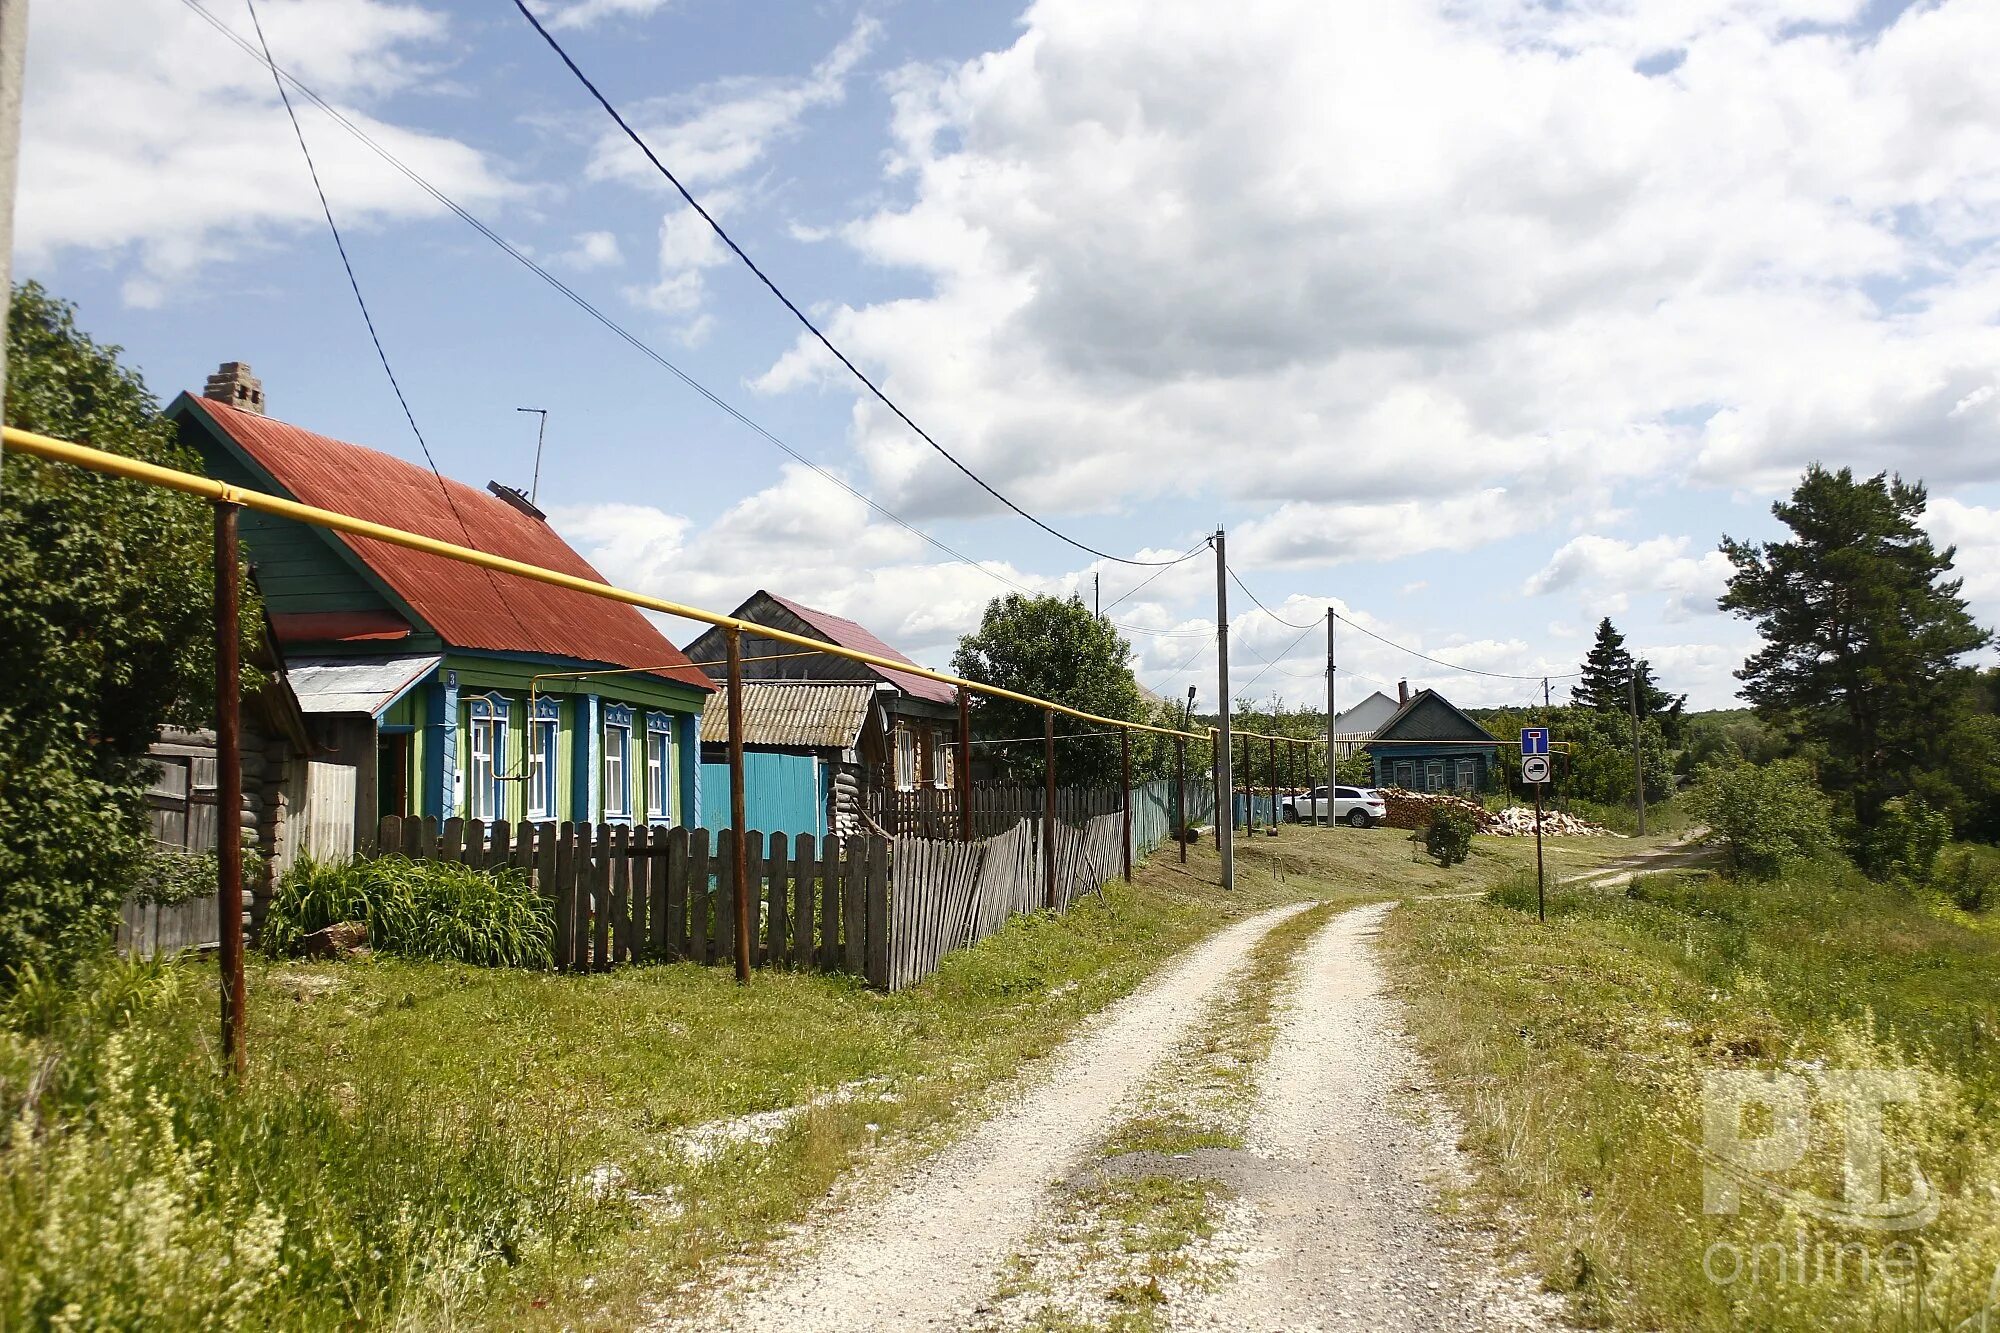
420,909
1448,837
105,630
141,1189
171,878
1906,840
1962,879
1765,815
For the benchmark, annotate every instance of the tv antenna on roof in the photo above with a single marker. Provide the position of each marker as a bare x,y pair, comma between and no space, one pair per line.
535,486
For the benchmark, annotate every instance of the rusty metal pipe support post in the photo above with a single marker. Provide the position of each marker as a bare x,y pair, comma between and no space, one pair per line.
964,775
1180,795
1049,803
229,790
1125,808
739,817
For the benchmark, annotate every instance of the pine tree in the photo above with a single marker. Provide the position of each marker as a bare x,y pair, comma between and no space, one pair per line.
1607,672
1863,632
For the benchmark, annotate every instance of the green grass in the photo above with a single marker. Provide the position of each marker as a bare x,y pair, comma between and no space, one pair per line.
1575,1053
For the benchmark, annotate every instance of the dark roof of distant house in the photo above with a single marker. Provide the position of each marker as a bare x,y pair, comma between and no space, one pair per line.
1413,722
836,629
468,606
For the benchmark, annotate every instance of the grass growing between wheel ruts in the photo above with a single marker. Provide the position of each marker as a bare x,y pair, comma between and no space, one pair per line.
1577,1053
1127,1234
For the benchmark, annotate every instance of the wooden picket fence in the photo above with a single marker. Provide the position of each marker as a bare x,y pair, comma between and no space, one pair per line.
946,894
886,910
932,812
642,895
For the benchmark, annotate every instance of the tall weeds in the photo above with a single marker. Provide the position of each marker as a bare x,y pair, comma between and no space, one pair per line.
139,1188
438,910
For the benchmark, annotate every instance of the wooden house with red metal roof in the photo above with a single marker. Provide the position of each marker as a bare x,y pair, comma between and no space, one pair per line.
453,689
911,735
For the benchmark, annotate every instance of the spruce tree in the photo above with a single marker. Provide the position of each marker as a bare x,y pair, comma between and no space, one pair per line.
1863,632
1606,672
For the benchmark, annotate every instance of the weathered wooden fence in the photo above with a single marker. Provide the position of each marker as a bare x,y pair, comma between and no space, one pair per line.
932,812
885,910
946,894
639,895
145,928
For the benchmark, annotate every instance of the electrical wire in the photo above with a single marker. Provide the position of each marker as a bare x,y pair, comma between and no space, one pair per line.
620,331
1198,547
1435,661
1278,658
354,284
797,313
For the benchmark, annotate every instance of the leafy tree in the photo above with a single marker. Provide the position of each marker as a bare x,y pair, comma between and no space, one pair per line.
1600,756
1766,816
1906,840
1448,836
105,625
1052,648
1863,633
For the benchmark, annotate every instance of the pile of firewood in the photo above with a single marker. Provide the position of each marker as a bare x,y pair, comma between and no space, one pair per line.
1413,810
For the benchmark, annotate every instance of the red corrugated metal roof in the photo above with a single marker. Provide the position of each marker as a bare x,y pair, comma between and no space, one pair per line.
338,626
469,607
850,635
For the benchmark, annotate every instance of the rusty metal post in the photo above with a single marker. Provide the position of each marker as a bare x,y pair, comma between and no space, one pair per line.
229,790
964,764
1049,802
739,816
1125,778
1180,795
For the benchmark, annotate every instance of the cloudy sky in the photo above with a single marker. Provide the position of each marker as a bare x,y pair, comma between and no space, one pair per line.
1478,319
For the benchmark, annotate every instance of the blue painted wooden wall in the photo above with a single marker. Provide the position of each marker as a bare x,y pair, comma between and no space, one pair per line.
781,793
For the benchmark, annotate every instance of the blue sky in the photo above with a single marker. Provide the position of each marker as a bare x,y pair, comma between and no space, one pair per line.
1480,319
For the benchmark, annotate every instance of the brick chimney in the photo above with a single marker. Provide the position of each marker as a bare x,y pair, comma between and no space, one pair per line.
235,385
1402,691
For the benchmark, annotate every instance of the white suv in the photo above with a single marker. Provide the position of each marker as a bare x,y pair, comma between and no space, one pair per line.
1360,807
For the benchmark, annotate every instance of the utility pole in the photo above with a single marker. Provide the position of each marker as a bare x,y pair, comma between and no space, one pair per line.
1225,818
1638,763
535,486
13,57
1097,594
1332,745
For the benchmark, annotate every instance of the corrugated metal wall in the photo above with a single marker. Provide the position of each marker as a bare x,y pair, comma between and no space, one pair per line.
780,791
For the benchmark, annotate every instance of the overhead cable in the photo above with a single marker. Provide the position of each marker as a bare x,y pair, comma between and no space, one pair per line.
788,303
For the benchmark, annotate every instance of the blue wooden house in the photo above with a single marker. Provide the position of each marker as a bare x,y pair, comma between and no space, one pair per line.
451,689
1428,744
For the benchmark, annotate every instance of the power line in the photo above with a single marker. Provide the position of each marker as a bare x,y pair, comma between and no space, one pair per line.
1198,547
797,313
583,303
354,284
1278,658
1405,648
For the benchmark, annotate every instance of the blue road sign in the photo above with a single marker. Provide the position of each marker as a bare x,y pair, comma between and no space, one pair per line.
1534,740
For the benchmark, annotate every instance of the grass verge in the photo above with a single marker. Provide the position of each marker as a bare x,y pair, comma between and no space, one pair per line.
1576,1054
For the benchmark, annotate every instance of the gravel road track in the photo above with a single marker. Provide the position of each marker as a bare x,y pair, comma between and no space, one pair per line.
925,1252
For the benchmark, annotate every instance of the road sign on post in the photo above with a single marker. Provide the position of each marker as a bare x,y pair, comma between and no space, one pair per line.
1534,740
1535,769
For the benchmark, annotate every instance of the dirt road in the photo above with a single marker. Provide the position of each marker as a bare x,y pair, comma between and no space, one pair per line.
1341,1169
928,1251
1345,1233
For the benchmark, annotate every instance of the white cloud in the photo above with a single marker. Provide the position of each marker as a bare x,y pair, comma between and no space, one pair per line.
1605,571
1348,260
1975,531
147,136
592,249
711,139
586,13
